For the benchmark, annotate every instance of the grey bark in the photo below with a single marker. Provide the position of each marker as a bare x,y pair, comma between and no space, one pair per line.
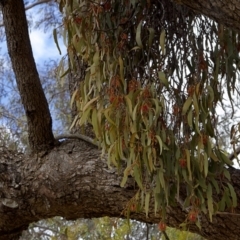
28,82
73,181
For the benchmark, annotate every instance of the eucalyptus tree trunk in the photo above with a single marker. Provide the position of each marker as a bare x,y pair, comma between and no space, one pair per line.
28,82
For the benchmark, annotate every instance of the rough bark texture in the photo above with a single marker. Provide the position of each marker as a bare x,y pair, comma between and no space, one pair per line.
32,95
73,181
226,12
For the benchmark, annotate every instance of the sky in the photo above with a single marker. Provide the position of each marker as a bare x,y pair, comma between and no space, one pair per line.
43,46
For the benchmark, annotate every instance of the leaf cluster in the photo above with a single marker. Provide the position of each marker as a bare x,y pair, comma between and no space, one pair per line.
155,77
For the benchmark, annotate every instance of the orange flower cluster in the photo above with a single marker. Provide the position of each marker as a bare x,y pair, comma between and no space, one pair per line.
133,85
114,92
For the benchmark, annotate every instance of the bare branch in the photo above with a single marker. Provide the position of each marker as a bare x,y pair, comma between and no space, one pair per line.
36,3
222,11
31,6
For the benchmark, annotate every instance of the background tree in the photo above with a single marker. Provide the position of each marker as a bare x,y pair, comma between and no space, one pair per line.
150,90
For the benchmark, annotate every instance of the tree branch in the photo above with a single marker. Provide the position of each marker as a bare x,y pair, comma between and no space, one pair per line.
73,182
37,3
226,12
78,136
31,6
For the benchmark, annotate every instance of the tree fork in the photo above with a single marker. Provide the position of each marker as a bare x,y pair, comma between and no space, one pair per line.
33,98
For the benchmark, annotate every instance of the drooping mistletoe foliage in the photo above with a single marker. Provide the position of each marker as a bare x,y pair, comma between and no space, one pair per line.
155,78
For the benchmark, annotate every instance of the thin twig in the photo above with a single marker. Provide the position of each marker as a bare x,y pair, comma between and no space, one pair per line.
31,6
165,235
36,3
234,154
228,213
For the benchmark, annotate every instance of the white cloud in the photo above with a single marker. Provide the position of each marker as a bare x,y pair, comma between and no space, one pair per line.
44,47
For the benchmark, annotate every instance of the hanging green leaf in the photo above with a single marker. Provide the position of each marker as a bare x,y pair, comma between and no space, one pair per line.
210,201
137,176
147,201
163,79
89,103
205,164
162,41
138,35
56,40
187,105
125,177
233,194
189,164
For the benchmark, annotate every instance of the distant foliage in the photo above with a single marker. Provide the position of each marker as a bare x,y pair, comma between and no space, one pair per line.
100,228
156,74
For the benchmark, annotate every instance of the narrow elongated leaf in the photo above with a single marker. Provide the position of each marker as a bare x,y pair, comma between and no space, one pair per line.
226,174
73,97
210,201
222,204
189,118
134,115
110,157
205,165
65,73
163,79
233,194
84,116
56,40
189,164
213,156
138,35
89,103
137,176
186,105
106,114
224,158
160,143
74,122
195,104
95,122
211,93
161,178
162,41
215,184
129,105
125,177
147,201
